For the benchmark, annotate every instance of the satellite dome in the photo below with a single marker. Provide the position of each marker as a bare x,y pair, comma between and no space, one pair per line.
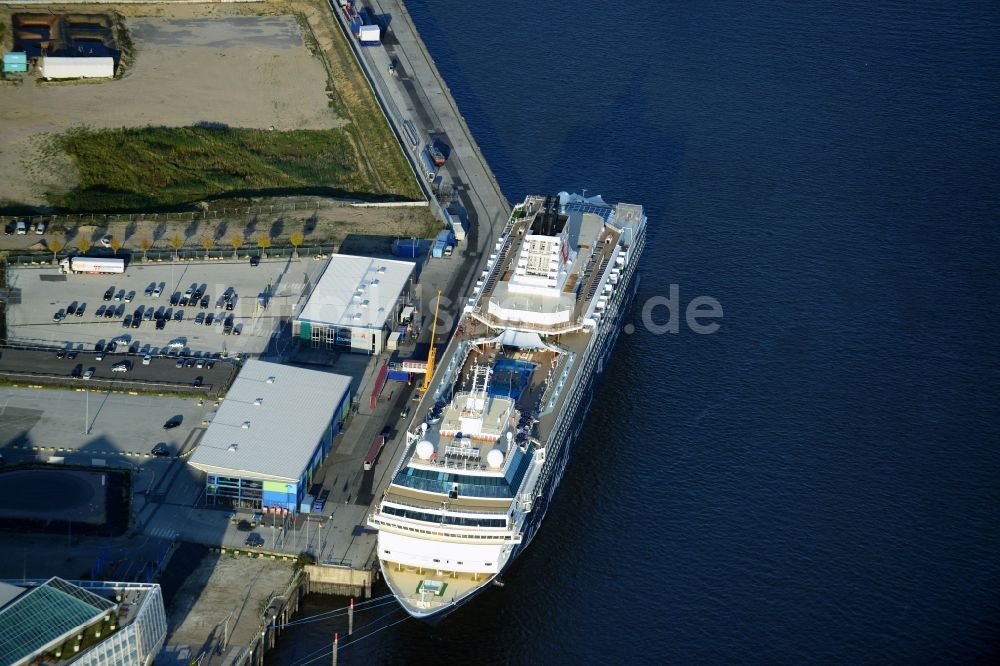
494,458
424,449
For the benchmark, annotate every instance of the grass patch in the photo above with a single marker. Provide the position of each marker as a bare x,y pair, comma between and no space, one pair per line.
157,167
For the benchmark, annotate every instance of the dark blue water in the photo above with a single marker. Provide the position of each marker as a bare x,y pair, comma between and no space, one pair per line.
818,481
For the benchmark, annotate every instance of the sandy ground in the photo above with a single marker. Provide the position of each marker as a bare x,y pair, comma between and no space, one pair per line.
189,68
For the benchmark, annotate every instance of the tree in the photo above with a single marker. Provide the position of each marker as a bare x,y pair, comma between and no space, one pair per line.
55,244
177,243
84,245
116,244
208,243
296,240
263,242
236,240
144,244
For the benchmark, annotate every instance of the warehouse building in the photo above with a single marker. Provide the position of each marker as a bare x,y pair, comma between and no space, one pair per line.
274,428
356,304
91,623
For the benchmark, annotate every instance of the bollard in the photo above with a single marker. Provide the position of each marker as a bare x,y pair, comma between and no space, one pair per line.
350,619
336,641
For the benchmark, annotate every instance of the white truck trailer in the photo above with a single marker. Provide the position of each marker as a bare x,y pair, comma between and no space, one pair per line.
92,265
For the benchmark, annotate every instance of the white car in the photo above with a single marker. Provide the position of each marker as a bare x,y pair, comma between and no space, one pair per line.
106,241
88,374
120,367
147,359
156,292
40,229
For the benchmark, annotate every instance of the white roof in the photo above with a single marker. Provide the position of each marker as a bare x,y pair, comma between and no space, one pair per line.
296,406
356,291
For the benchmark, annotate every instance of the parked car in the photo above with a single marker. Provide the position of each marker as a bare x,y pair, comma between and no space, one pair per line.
244,526
175,298
9,228
204,302
109,312
61,353
40,229
147,359
179,315
88,374
254,540
129,296
199,318
197,382
136,322
172,423
106,241
109,294
71,354
160,450
127,321
58,316
71,309
120,367
99,312
120,295
209,318
22,228
80,308
157,290
254,261
179,363
161,324
148,291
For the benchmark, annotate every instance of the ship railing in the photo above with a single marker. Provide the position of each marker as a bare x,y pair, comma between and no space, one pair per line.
495,514
483,315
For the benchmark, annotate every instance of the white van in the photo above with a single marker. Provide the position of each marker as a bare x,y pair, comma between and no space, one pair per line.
22,228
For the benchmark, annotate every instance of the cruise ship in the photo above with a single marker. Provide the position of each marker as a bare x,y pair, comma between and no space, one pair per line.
483,458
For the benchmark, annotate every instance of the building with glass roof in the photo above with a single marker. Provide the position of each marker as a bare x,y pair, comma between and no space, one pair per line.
89,622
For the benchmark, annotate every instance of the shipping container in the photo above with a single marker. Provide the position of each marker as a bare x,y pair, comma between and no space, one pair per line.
438,250
398,375
77,68
411,132
370,35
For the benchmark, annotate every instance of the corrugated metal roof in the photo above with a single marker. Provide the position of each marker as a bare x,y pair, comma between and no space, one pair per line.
356,291
270,421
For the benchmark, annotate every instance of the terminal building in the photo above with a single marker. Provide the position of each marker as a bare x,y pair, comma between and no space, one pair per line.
274,428
356,305
90,623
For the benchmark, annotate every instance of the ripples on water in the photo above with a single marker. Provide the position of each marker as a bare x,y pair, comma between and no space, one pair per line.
817,481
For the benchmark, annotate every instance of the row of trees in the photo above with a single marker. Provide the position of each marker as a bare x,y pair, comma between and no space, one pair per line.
57,243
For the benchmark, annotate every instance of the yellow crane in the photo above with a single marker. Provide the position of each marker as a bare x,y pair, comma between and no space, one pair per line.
433,350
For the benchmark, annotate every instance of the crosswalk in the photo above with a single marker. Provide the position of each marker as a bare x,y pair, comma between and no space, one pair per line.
163,533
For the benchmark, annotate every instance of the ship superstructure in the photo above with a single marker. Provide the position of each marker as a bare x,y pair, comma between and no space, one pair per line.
508,399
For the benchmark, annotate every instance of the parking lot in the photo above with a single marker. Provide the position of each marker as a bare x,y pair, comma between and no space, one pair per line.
83,425
45,306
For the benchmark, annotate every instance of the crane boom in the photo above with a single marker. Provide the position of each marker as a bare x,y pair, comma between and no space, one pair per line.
432,353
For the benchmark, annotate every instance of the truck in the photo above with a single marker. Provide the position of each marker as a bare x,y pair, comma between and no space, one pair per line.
373,452
430,170
436,155
454,221
92,265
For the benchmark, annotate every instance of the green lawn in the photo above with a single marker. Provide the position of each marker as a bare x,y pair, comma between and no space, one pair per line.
153,168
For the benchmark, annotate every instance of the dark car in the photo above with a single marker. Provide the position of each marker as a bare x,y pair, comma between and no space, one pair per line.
99,347
61,353
127,321
109,294
179,315
9,228
77,371
80,308
204,302
109,313
99,312
172,423
254,261
136,322
160,450
197,382
71,354
209,318
161,324
244,526
230,304
254,540
71,309
175,298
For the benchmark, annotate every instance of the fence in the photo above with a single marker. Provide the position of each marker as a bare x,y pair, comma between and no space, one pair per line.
44,258
220,213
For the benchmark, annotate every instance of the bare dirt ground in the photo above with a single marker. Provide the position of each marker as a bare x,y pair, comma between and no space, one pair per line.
192,64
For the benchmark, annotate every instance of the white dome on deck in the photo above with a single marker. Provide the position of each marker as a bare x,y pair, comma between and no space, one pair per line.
424,449
494,458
